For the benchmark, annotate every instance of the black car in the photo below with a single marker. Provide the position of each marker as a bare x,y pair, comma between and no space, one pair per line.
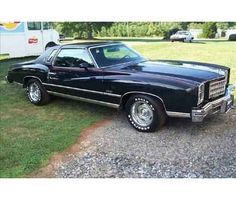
112,74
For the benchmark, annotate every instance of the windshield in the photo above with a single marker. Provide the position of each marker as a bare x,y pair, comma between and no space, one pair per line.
182,33
114,55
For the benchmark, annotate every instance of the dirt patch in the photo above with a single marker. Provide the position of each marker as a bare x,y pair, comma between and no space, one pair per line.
55,161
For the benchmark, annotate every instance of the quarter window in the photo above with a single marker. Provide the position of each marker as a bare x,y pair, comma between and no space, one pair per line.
34,26
73,58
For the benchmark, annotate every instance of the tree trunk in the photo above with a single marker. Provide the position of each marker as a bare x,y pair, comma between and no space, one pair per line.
90,35
90,31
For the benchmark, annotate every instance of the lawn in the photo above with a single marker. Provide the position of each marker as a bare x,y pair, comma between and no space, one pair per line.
30,135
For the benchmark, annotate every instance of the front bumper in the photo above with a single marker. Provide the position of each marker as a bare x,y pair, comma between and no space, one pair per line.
222,105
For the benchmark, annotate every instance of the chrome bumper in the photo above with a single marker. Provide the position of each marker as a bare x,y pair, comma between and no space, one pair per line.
222,105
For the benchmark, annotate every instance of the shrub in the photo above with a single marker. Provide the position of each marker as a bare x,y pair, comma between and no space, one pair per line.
168,28
195,25
232,37
209,30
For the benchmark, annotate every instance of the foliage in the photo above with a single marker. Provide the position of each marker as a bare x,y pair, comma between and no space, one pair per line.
195,25
80,29
223,25
169,28
140,29
209,30
136,29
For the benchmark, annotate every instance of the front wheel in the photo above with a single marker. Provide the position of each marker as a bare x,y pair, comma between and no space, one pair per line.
36,93
144,113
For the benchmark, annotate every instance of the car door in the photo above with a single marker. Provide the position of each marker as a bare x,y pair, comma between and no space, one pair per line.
73,73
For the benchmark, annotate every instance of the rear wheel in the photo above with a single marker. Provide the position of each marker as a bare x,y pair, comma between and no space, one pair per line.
49,45
36,93
144,113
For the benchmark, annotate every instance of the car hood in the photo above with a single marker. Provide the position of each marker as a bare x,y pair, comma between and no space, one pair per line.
189,71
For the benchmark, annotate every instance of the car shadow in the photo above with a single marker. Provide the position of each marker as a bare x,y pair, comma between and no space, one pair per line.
176,125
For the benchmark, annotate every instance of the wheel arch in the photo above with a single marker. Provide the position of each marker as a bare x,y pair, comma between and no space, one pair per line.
127,95
27,78
50,44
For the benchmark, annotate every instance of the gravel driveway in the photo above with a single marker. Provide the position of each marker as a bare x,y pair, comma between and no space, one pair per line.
180,149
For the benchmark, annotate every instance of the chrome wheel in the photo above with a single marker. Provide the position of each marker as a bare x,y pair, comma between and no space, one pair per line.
142,113
34,92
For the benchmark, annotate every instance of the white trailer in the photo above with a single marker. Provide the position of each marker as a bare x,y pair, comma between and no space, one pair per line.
20,39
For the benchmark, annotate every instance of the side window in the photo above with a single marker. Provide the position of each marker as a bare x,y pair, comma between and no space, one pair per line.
73,58
34,26
46,25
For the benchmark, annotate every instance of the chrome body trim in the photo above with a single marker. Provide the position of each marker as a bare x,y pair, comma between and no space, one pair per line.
139,92
217,88
221,105
35,77
178,114
112,105
83,90
62,47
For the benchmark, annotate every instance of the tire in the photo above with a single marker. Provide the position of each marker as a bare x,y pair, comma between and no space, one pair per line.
49,45
144,113
36,93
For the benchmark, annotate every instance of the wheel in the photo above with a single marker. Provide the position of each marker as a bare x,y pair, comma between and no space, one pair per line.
49,45
145,113
190,41
36,93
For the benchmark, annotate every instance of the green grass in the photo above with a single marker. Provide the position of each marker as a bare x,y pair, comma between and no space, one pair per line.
30,135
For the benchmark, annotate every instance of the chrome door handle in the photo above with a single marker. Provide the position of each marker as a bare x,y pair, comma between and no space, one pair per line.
52,73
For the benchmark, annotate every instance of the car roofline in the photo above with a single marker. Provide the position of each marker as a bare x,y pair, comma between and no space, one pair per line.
89,44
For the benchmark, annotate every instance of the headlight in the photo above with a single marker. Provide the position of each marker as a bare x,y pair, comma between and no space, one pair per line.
201,89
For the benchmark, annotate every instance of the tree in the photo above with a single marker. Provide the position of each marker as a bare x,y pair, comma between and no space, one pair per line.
223,25
209,30
81,29
168,28
184,25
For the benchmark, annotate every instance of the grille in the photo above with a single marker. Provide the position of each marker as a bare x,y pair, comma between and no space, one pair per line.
217,88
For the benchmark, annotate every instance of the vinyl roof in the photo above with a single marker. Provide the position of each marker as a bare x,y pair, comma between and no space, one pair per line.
89,44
